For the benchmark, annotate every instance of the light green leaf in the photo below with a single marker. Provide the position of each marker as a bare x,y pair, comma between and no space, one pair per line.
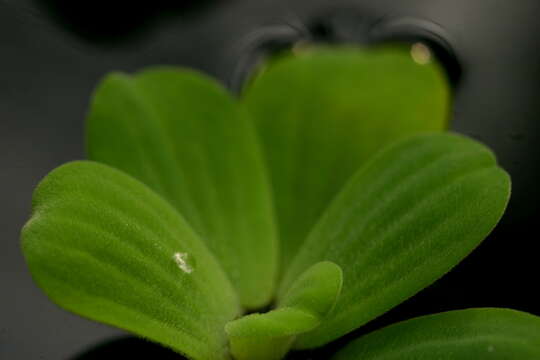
321,114
316,290
401,222
103,245
269,336
480,334
186,138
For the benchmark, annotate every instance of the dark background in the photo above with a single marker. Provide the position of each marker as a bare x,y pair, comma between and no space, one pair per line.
53,52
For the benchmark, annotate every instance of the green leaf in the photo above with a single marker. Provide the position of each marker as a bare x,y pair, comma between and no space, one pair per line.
401,222
269,336
316,290
103,245
321,114
482,334
185,137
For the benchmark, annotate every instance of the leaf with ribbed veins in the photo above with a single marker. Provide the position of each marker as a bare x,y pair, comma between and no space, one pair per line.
105,246
483,334
323,112
401,222
184,136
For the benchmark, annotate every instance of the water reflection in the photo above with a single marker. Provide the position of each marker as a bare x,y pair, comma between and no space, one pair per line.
426,37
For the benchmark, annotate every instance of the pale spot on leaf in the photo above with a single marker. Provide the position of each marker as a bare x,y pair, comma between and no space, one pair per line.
181,260
421,53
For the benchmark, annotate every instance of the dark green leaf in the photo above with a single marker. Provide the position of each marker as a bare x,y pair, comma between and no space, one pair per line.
480,334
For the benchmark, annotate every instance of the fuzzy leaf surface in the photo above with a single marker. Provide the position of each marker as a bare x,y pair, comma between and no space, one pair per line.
483,334
184,136
401,222
269,336
321,114
103,245
316,290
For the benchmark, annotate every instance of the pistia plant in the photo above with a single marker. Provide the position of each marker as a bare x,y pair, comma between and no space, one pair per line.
328,193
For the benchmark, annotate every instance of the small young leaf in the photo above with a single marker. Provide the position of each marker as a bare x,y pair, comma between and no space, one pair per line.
269,336
185,137
321,114
316,290
401,222
482,334
103,245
